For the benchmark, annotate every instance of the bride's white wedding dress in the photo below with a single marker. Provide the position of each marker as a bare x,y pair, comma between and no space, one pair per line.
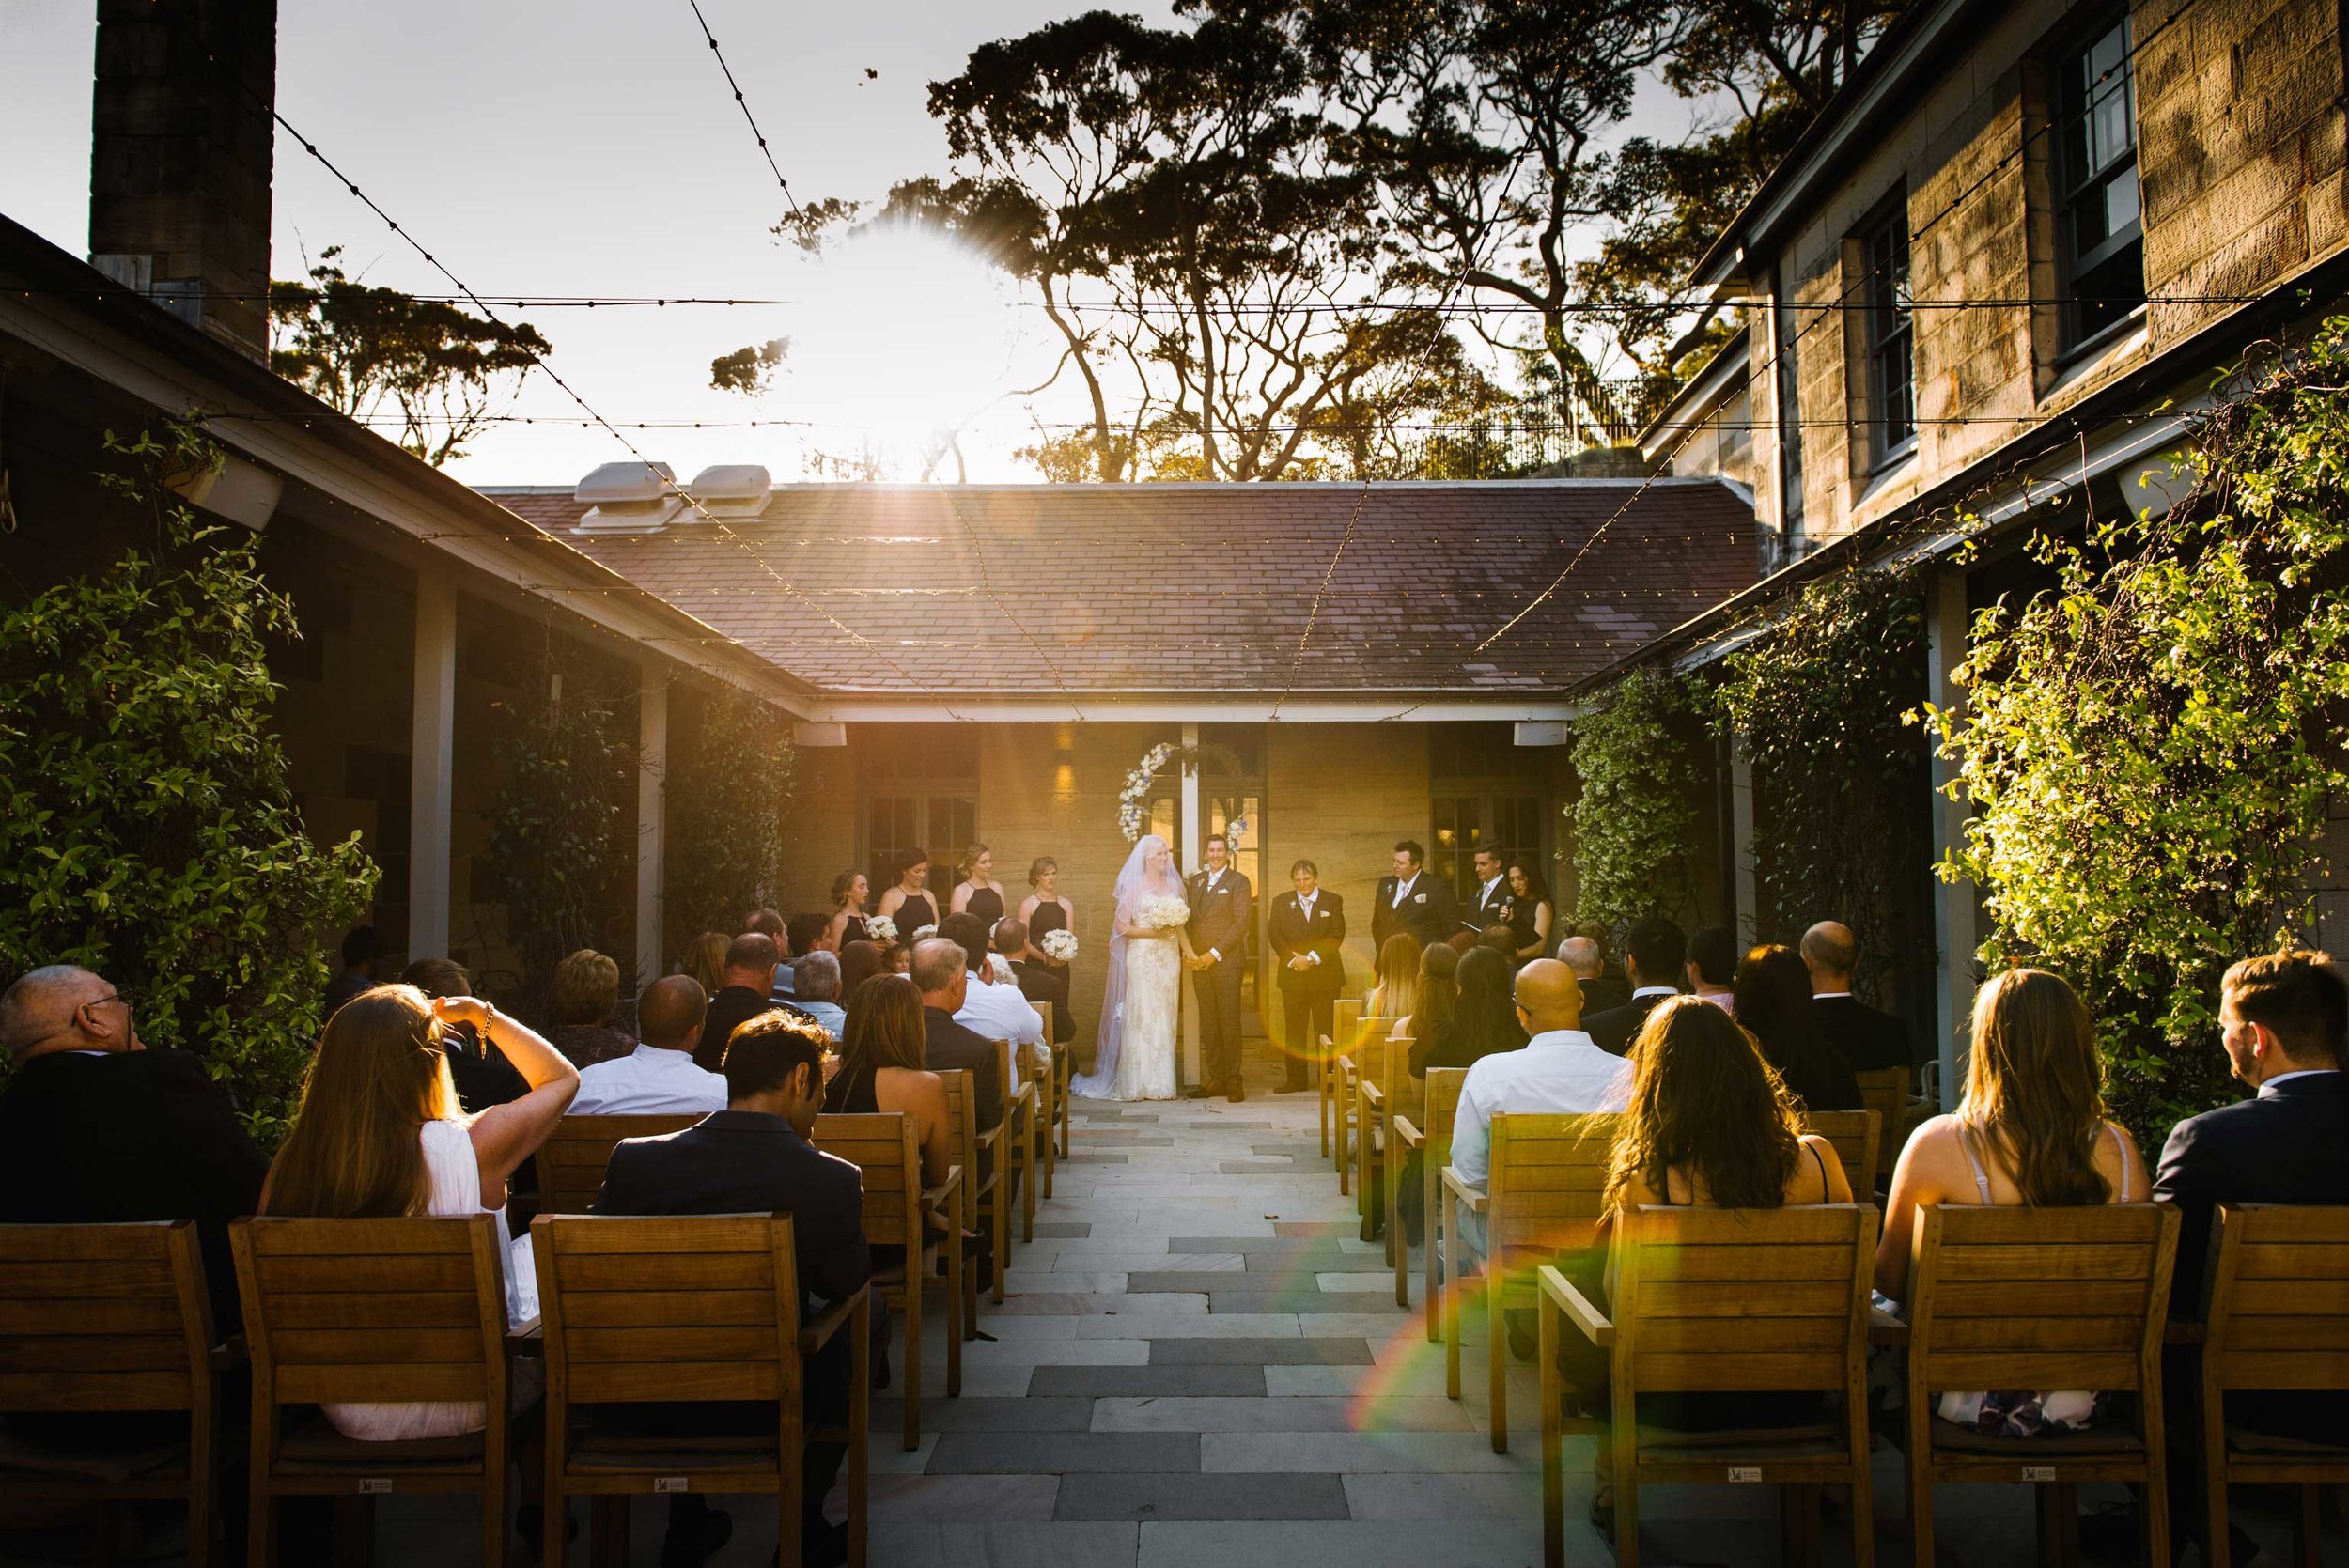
1133,1056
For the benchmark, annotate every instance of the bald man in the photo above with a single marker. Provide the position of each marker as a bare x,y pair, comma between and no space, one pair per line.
1868,1039
1588,960
659,1076
1560,1072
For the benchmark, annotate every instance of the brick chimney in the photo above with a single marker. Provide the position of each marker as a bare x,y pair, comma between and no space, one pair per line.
180,152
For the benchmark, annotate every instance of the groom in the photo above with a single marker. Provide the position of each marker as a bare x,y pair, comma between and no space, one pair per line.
1219,917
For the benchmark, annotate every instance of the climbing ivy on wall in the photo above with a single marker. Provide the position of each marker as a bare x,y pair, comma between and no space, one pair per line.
1635,820
730,792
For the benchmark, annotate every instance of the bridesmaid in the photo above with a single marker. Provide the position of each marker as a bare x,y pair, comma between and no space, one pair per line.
905,903
1045,909
979,894
850,890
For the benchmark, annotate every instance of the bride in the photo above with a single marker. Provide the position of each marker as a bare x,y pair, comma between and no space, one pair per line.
1141,1005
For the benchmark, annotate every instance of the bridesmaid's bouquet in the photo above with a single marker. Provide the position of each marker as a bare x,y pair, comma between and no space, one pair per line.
924,933
880,928
1162,914
1060,946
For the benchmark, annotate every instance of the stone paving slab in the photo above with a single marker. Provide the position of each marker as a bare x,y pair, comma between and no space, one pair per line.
1076,1303
1150,1382
1353,1453
1465,1497
894,1498
1007,1544
1259,1353
1301,1299
1256,1168
1146,1322
1014,1413
1062,1452
1298,1544
1422,1414
1050,1230
1191,1496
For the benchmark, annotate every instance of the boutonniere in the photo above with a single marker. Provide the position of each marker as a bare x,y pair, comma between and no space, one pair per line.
1419,898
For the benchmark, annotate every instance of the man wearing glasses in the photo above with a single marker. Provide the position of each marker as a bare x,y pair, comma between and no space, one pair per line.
95,1128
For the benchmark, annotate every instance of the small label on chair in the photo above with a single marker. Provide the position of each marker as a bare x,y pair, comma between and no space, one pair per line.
375,1486
1744,1472
669,1483
2038,1472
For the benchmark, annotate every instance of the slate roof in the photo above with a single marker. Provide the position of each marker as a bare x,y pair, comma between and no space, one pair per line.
1195,589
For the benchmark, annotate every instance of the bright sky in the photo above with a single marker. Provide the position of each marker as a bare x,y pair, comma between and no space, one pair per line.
590,146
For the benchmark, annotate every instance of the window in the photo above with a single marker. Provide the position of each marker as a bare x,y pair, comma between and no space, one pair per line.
921,787
2100,241
1789,394
1891,378
1486,793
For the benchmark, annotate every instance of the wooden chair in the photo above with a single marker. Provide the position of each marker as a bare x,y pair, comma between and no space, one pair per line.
1548,1180
980,1155
572,1160
2274,1316
1856,1135
1064,1073
1770,1301
102,1318
2040,1299
1381,1068
1049,1101
1345,1022
688,1310
1022,1117
1365,1032
887,1149
361,1311
1430,1136
1885,1091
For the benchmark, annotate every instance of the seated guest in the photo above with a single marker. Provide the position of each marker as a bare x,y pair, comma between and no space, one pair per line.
380,1135
1587,958
881,1070
753,1157
941,973
586,993
1397,973
1773,997
748,983
2284,1024
859,962
802,934
706,960
2031,1130
990,1007
1868,1039
362,949
478,1068
1502,939
1037,982
95,1128
659,1077
1655,953
1712,968
816,984
1438,986
1561,1071
1482,1019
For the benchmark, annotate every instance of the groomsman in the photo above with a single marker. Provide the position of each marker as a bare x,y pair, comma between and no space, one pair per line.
1306,930
1412,901
1221,913
1492,895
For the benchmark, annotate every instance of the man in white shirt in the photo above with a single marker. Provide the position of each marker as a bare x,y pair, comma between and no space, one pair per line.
659,1077
994,1008
1560,1072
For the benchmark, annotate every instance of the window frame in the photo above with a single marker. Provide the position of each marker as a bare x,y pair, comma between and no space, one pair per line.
1890,327
2074,99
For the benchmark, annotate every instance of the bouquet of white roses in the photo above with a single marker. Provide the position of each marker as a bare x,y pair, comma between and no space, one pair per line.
924,933
1162,914
1060,946
880,928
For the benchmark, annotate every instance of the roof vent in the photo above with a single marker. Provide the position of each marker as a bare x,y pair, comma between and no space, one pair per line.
729,490
628,497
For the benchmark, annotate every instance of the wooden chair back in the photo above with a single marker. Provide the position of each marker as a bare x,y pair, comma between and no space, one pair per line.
1761,1299
1346,1021
1885,1091
2038,1297
571,1161
104,1317
683,1308
1549,1181
962,1133
2276,1299
1439,1108
883,1146
1856,1135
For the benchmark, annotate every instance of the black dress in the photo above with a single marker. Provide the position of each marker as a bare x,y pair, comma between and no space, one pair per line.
987,904
854,931
913,914
1050,915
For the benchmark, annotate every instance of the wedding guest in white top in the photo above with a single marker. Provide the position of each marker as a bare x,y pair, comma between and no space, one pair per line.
992,1007
1561,1072
659,1077
380,1136
815,982
1712,967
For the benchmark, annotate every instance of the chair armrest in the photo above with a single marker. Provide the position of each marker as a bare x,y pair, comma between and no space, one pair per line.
818,1332
1886,1329
1373,1095
1457,1185
1560,1292
994,1135
526,1337
936,1196
1407,1133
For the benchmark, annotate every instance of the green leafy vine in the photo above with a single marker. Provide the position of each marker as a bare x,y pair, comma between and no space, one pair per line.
1635,819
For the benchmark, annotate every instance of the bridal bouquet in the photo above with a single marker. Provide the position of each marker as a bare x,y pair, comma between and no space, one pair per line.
924,933
1060,946
880,928
1162,914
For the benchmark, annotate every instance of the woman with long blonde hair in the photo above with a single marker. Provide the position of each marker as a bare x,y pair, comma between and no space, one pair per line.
380,1136
706,960
1397,994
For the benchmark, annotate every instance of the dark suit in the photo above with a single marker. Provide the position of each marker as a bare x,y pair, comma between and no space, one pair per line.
2289,1144
1038,982
1431,912
1490,909
1308,996
126,1136
1613,1027
1607,990
729,1010
1869,1039
742,1162
1221,918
